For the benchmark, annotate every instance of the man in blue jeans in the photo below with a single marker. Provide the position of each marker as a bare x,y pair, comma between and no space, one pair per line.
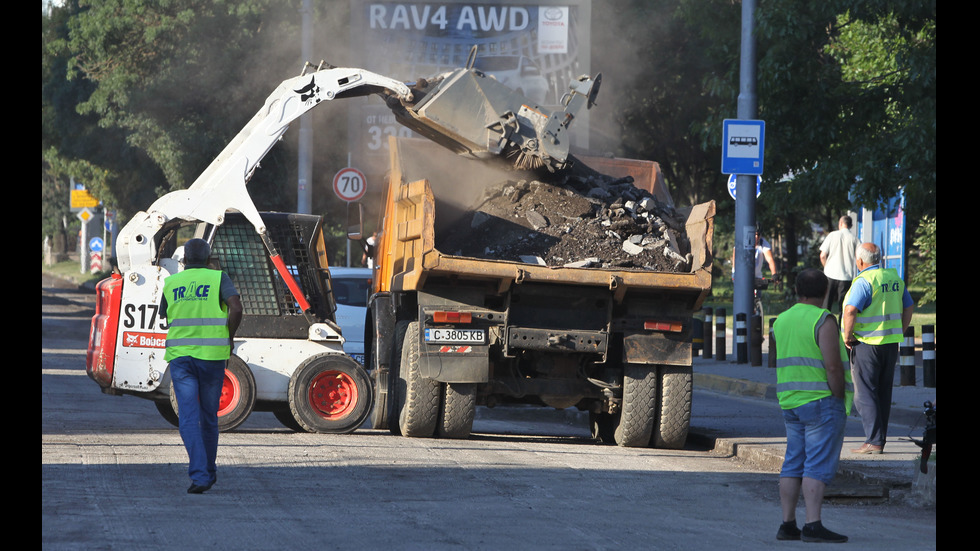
203,310
815,394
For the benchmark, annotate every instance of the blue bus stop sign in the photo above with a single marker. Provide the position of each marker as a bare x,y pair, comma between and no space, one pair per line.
743,147
731,185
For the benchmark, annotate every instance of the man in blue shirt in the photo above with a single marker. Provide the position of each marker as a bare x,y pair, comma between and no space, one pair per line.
877,311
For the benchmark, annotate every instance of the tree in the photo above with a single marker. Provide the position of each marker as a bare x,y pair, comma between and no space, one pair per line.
163,86
847,90
73,145
925,273
169,75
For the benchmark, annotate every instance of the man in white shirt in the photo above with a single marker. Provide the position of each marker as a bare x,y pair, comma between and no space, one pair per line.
837,254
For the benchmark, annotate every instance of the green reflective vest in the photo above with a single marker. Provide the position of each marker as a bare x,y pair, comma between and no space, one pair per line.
881,321
801,376
198,319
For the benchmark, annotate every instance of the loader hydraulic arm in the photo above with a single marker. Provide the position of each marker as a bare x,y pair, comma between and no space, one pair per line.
221,187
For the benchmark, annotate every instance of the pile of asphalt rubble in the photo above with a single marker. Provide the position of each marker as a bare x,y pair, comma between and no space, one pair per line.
573,220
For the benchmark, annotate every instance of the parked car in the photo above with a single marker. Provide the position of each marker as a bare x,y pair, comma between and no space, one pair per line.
518,72
351,288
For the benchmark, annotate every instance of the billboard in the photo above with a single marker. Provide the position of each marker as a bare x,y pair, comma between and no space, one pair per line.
534,47
885,226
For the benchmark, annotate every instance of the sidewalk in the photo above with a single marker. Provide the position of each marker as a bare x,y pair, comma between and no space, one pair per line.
896,469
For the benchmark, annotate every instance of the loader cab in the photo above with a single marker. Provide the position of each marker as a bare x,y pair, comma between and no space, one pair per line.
270,310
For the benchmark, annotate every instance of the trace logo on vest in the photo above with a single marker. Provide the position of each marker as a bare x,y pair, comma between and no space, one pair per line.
191,291
893,287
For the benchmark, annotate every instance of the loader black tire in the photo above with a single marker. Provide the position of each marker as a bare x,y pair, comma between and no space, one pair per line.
330,394
167,412
237,395
639,406
418,396
676,384
458,410
286,418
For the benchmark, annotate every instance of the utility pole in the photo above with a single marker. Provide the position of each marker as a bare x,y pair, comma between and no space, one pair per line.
303,191
745,185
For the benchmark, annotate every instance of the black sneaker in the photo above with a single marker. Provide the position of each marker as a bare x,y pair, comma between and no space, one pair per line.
196,489
815,532
788,531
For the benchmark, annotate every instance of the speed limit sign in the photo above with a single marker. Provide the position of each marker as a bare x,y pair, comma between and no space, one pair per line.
349,184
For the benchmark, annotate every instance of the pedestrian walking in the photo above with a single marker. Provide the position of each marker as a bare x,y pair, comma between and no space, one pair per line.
877,311
837,255
203,311
815,393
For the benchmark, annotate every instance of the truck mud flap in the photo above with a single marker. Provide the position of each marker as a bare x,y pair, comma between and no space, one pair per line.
657,348
455,363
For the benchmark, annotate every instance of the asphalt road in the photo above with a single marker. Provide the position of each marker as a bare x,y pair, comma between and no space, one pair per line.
114,477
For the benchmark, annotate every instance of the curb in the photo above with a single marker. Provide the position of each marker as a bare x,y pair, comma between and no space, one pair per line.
738,387
855,480
766,391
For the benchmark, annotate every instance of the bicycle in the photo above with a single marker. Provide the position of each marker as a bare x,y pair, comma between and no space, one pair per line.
761,284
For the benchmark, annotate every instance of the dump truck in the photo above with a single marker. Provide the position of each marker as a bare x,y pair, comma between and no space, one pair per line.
447,333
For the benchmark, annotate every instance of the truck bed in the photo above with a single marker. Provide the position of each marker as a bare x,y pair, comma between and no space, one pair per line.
417,170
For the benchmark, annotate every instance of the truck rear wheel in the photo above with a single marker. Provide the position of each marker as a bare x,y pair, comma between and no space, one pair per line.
458,410
330,393
418,397
237,395
674,407
393,398
639,406
382,382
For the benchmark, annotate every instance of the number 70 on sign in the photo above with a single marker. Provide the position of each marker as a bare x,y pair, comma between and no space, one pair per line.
349,184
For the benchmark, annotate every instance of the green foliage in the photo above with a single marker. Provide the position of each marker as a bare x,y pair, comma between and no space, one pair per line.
55,192
924,274
151,91
165,73
849,98
848,93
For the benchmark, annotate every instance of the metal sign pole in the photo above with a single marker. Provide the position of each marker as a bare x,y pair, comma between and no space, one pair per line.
304,192
745,226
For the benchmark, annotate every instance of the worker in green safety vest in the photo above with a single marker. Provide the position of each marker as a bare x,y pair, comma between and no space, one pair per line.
814,392
877,311
203,311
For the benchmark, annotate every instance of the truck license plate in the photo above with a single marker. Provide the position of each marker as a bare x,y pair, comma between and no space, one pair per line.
449,334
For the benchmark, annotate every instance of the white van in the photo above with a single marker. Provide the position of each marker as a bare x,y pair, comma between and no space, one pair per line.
351,288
